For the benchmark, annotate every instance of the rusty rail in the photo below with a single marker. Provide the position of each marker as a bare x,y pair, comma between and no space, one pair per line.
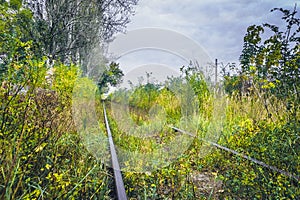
297,178
121,194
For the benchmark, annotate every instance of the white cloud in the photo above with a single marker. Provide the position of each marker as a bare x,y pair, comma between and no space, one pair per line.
217,25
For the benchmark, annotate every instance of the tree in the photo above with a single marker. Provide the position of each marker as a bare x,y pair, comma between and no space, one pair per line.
275,60
112,76
15,34
272,65
70,29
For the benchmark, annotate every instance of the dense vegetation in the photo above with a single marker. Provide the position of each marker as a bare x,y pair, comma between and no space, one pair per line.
41,153
43,156
261,121
268,135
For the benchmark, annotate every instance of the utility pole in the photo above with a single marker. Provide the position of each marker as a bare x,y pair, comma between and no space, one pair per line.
216,72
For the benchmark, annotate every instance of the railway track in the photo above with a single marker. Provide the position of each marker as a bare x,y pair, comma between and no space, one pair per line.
285,173
119,184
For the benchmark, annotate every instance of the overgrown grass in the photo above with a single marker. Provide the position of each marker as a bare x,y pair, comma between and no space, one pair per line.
42,156
256,126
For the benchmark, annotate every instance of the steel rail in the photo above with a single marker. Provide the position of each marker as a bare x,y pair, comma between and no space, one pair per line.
297,178
121,194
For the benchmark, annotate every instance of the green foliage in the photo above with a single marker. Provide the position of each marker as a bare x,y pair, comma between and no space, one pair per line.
17,36
233,84
144,96
171,181
199,85
269,75
110,77
178,99
244,179
43,157
269,135
41,154
15,4
251,132
271,66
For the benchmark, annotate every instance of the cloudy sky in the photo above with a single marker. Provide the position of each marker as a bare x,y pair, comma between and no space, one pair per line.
218,26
